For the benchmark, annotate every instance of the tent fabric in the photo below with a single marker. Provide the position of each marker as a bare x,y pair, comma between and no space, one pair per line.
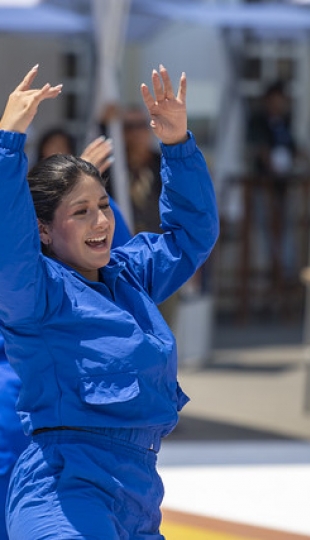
146,16
43,19
250,16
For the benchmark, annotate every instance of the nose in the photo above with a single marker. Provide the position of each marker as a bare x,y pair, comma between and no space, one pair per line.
101,220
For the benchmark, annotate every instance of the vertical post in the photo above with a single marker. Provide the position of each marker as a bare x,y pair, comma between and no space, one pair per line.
110,21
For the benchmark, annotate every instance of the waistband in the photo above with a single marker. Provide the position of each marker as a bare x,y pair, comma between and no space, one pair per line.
147,439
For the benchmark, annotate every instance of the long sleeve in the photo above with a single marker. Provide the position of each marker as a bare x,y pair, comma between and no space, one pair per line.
189,219
19,238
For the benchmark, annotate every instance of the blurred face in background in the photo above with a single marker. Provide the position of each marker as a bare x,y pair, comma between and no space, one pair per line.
137,136
56,144
277,104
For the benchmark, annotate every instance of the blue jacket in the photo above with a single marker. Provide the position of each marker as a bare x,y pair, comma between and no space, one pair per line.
12,440
99,353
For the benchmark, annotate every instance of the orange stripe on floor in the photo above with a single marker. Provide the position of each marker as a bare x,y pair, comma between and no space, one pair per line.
184,526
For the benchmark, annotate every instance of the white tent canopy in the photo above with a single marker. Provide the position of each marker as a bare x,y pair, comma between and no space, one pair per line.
242,16
43,19
145,16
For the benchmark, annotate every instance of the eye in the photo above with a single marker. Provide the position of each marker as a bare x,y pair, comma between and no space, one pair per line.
80,212
104,206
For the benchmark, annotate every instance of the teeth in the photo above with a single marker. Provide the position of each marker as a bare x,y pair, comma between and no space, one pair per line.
96,240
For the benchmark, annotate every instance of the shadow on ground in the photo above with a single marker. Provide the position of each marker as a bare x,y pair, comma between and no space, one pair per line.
191,428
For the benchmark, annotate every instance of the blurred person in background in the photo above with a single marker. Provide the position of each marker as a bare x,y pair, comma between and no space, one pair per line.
274,157
55,140
143,162
270,136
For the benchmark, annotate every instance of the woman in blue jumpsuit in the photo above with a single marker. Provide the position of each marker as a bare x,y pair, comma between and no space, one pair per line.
12,438
96,360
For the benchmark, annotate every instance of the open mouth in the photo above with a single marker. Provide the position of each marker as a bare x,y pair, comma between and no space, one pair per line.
96,243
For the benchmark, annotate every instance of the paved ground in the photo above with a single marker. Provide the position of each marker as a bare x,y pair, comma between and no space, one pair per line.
253,387
238,463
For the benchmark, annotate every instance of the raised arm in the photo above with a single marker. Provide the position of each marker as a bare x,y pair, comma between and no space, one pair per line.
20,270
188,210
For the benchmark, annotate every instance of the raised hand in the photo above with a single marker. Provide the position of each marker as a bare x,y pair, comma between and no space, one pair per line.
167,111
98,152
23,103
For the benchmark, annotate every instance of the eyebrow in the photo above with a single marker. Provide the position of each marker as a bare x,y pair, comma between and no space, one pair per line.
85,201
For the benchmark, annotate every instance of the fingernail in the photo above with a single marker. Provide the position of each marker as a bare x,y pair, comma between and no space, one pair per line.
103,138
35,67
161,66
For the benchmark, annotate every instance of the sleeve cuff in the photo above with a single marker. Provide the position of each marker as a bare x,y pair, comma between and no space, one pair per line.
181,150
12,140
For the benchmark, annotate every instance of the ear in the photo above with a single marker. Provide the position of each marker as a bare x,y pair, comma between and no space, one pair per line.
44,232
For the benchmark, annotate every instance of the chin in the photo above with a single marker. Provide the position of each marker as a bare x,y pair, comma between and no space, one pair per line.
105,260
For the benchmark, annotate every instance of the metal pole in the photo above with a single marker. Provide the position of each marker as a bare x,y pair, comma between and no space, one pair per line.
110,22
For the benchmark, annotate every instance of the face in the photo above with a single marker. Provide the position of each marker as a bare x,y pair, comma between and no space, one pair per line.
137,131
277,104
57,144
82,231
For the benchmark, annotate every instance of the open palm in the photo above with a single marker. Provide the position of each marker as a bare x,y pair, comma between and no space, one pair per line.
167,110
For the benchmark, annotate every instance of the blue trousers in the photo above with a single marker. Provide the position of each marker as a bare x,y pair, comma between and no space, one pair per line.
85,485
